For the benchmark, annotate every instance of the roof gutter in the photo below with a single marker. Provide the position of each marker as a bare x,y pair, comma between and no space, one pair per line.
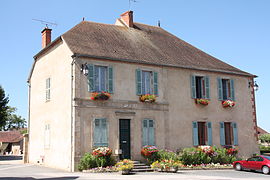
165,65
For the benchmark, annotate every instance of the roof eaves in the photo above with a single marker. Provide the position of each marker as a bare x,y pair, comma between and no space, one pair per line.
166,65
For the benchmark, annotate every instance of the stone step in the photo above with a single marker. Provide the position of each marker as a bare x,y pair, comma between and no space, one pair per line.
142,167
142,170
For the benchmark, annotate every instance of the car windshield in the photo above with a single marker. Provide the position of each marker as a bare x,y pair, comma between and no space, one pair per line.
267,157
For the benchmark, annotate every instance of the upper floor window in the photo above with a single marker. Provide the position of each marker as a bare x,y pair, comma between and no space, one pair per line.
225,89
228,134
202,133
47,136
100,78
48,89
146,82
200,87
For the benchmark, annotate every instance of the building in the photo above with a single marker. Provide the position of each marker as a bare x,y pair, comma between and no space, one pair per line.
128,60
261,131
11,142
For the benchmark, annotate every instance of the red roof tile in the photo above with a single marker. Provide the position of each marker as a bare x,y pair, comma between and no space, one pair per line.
10,136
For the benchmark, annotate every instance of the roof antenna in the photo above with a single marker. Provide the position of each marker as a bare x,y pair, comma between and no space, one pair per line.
46,23
158,23
129,3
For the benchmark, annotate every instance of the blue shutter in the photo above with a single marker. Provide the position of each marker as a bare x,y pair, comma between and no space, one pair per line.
91,83
145,132
209,133
207,87
235,134
222,134
151,133
220,93
156,83
104,133
110,79
138,82
232,89
97,133
193,86
195,133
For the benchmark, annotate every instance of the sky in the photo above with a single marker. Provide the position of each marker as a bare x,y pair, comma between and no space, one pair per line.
235,31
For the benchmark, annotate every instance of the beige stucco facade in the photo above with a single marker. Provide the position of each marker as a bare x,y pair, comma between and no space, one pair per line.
71,122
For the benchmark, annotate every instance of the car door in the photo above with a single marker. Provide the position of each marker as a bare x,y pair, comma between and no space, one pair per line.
250,163
258,163
253,164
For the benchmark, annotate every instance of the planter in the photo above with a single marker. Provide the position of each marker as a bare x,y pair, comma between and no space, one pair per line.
103,96
125,172
148,98
203,102
228,103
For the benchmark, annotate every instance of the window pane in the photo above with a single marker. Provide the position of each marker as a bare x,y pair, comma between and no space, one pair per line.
228,136
151,123
202,133
100,78
225,88
199,87
146,82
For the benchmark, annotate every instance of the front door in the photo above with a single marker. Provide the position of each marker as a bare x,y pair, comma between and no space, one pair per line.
124,138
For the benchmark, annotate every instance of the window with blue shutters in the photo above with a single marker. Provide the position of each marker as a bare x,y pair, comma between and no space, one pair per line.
148,132
100,132
225,89
200,87
202,133
100,78
146,82
228,134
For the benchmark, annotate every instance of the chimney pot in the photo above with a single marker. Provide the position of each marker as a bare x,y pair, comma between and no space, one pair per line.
46,36
127,17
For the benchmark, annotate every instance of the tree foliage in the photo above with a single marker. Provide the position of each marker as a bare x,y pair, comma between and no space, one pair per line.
3,108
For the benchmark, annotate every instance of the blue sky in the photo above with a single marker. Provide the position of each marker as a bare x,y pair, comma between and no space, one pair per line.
235,31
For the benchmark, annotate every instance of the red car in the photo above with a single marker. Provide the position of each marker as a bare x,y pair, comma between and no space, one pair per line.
261,163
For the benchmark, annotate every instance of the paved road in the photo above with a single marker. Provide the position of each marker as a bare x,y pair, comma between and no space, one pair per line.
34,172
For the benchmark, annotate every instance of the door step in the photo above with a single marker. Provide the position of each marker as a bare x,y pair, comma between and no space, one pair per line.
141,167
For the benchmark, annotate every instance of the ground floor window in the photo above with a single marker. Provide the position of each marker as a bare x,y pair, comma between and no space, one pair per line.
100,136
202,133
148,132
228,133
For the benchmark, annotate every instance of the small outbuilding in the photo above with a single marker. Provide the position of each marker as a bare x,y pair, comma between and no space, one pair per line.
11,142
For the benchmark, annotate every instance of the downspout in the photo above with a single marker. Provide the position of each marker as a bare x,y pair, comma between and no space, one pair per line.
72,118
28,123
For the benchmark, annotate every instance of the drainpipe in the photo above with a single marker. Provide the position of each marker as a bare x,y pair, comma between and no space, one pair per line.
28,123
72,119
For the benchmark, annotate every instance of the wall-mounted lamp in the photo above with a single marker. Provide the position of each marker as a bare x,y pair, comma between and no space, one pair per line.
255,85
84,69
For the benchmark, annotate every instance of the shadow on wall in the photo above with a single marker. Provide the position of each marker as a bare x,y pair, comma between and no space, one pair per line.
30,178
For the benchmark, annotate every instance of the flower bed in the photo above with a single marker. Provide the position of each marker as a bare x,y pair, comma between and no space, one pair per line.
204,102
108,169
102,152
125,166
207,166
228,103
150,153
100,96
166,165
148,98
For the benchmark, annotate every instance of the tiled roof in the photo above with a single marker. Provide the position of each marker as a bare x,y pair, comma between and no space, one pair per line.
10,136
141,44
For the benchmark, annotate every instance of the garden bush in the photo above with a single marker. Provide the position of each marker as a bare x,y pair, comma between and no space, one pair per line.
265,148
88,161
167,155
265,138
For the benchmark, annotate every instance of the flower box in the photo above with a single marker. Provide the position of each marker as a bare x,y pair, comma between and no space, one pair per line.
228,103
100,96
125,166
204,102
148,98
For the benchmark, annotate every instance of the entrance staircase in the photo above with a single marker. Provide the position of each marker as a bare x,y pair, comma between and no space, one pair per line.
141,167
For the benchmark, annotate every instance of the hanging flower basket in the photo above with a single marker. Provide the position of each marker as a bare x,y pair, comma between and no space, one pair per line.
228,103
100,96
148,98
204,102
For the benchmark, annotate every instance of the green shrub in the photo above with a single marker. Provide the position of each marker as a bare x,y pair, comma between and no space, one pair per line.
265,138
167,155
265,148
88,161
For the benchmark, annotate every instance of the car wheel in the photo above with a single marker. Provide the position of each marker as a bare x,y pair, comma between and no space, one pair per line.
238,167
265,170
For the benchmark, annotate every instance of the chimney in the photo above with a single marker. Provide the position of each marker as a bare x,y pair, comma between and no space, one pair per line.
127,18
46,36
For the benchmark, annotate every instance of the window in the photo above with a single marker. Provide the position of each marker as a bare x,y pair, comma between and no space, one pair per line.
47,136
202,133
100,133
228,134
225,89
100,78
146,82
148,132
200,87
48,89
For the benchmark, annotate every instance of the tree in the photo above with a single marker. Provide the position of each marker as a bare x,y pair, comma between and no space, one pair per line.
3,108
14,121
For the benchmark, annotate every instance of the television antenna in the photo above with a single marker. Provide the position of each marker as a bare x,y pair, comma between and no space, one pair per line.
129,3
46,23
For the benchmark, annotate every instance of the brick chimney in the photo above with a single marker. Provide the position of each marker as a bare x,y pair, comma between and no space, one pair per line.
46,36
127,18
